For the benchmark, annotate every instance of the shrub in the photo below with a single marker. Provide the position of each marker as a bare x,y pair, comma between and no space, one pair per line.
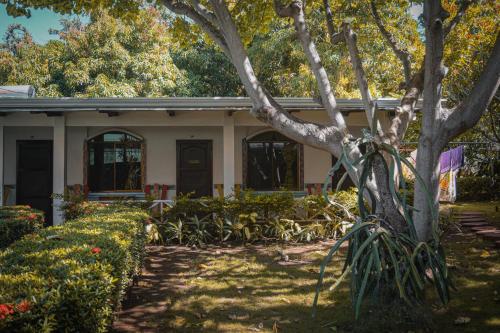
477,188
70,278
253,217
17,221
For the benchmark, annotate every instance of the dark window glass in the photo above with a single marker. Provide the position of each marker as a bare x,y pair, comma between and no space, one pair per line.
273,161
114,162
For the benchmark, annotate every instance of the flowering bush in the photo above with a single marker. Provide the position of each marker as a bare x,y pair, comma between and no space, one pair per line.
17,221
70,278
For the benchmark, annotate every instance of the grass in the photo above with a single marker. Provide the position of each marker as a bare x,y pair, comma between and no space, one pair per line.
491,209
475,266
248,289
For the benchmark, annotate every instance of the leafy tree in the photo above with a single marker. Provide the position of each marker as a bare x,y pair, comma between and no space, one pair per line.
207,70
107,57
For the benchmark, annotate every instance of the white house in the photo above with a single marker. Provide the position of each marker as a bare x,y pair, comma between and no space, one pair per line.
124,147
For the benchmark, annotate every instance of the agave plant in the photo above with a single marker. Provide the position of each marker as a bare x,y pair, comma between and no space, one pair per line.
382,262
282,229
198,231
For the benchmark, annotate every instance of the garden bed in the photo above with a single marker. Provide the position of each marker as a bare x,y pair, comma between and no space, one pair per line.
252,289
251,217
71,277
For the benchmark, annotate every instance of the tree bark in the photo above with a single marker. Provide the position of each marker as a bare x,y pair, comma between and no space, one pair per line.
296,11
428,152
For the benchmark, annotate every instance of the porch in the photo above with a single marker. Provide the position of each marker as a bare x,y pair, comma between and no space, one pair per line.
109,148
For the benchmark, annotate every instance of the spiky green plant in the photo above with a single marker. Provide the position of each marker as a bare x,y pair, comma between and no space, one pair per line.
382,263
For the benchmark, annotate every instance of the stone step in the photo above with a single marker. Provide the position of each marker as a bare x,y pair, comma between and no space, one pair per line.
484,228
475,224
492,235
470,213
468,216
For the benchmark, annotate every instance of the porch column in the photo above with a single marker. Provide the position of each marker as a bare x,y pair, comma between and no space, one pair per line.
1,165
228,138
59,170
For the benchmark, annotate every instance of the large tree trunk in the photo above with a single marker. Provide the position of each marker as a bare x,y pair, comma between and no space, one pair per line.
428,169
439,125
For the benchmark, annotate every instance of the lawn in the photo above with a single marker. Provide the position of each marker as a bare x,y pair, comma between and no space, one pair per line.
250,289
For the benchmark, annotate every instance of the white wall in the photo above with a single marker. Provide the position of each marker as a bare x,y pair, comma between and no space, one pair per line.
160,150
160,141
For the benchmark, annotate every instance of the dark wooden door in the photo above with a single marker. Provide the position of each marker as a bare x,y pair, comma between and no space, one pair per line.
34,176
194,167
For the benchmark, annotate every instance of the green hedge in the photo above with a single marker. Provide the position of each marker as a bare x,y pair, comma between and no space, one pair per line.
477,188
71,278
17,221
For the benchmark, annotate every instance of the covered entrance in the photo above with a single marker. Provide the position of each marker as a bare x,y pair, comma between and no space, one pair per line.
194,167
34,175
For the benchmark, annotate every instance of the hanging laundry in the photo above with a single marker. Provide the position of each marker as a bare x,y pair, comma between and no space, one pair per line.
450,163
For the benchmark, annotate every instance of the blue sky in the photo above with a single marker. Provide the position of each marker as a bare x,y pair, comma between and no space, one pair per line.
38,24
42,20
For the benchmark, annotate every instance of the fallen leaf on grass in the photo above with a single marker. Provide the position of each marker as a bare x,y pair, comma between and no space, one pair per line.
462,321
286,300
256,328
485,254
245,316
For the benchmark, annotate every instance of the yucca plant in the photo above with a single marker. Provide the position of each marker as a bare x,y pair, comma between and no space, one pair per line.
198,231
382,262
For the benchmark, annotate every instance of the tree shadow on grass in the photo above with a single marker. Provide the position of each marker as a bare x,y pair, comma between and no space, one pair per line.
246,289
236,290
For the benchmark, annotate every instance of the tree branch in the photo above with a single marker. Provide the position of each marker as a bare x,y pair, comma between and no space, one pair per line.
296,12
357,65
468,112
207,25
403,55
208,15
265,108
458,16
406,111
335,37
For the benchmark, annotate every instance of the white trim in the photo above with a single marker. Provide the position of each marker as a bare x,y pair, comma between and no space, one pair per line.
69,104
261,131
228,154
114,129
1,163
59,167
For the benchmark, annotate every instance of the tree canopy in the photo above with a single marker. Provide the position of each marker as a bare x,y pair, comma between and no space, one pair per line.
108,57
177,60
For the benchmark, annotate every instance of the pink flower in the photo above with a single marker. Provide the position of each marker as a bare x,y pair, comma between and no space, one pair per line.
96,250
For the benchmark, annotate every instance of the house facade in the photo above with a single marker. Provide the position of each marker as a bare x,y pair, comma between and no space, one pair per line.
117,147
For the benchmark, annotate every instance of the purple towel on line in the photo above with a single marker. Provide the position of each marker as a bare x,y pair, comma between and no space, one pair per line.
452,159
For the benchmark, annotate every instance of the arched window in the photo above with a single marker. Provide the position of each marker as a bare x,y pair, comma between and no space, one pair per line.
273,162
115,162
